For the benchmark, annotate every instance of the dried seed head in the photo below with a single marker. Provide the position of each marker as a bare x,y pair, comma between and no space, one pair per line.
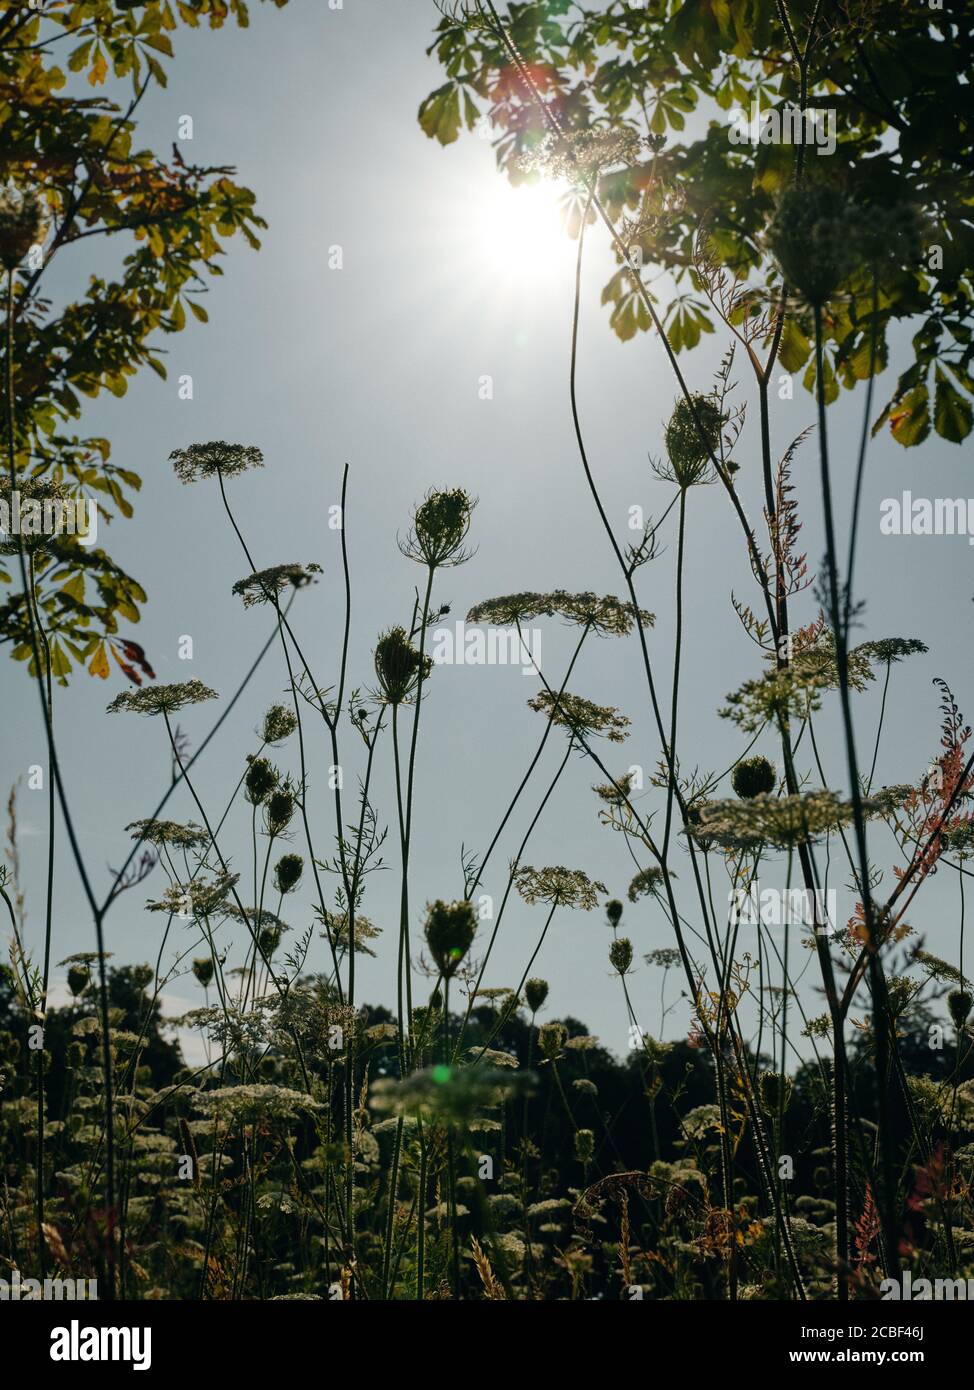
753,776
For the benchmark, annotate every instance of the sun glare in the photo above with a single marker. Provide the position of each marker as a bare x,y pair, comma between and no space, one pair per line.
521,236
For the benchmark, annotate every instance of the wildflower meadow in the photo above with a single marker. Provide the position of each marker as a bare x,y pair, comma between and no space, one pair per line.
460,855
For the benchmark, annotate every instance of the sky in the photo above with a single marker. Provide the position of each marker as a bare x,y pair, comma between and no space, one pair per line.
447,277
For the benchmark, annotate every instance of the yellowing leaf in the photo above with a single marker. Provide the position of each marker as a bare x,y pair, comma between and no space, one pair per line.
99,662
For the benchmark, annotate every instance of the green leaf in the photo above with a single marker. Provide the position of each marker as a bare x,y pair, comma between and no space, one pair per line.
952,413
439,114
909,420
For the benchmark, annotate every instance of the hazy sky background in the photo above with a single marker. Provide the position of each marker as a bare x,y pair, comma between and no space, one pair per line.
379,365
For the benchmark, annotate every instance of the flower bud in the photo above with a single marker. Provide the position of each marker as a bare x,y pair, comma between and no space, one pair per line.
691,436
440,526
261,779
280,809
620,954
269,938
816,236
775,1092
279,724
287,872
552,1038
536,992
203,970
398,665
450,930
959,1003
79,978
584,1145
613,910
142,976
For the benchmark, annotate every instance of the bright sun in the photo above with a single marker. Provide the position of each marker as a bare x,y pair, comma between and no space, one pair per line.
520,234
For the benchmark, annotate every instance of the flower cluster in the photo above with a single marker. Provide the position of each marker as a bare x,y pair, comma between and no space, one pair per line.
606,615
557,885
199,898
817,235
162,699
265,586
783,821
692,439
615,793
252,1104
169,832
337,928
646,884
279,724
399,666
440,526
581,154
580,716
215,458
450,929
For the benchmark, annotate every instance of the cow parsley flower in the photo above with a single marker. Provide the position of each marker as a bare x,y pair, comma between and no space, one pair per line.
398,665
199,898
169,832
606,615
816,235
365,930
162,699
557,885
888,650
253,1103
580,716
581,154
783,821
450,929
215,458
279,723
266,585
692,437
440,526
647,883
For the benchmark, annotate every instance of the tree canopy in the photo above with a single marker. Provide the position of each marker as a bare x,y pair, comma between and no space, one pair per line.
669,73
73,74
